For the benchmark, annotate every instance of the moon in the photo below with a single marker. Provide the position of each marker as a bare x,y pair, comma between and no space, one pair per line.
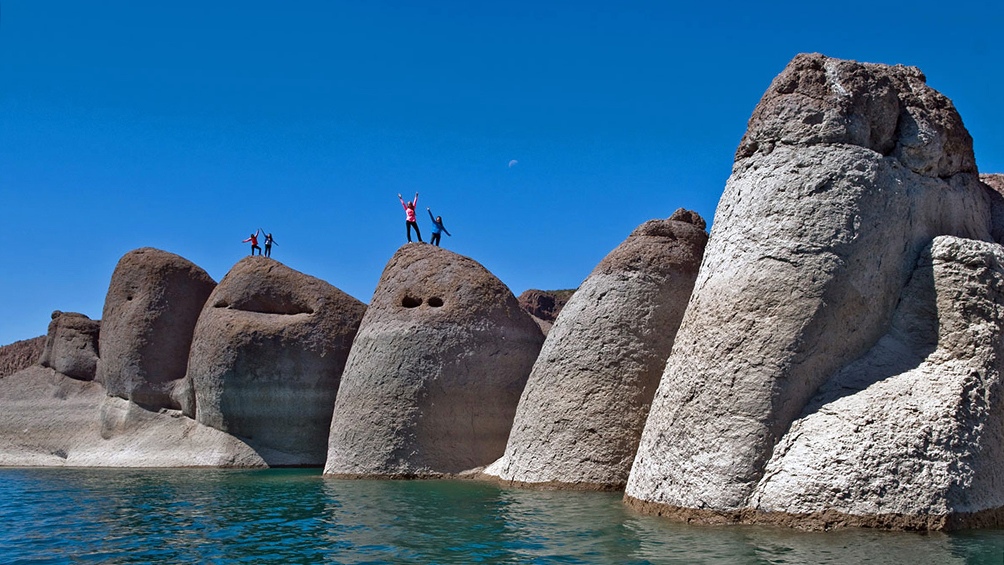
513,163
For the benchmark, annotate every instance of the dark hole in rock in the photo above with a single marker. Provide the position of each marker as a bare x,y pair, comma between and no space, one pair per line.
411,302
435,302
129,297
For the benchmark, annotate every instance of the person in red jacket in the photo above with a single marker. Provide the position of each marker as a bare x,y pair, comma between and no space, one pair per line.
254,242
410,220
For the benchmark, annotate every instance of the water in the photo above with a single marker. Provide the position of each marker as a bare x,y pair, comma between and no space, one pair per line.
296,516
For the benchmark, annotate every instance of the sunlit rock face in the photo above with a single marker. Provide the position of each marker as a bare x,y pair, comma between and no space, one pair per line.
582,412
435,372
267,359
911,434
153,302
71,345
846,173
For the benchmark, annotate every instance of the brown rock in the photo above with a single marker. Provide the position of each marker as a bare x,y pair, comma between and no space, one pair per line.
153,302
544,305
71,346
432,382
888,109
20,355
267,356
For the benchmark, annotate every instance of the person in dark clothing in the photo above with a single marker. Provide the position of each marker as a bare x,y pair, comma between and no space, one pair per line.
268,244
254,242
410,220
437,227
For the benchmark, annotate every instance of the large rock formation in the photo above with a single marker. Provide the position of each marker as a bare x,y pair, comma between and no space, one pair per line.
20,355
582,412
846,173
911,435
435,372
267,356
71,346
153,302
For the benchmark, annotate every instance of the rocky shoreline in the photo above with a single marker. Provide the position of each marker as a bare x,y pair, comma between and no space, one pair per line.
829,356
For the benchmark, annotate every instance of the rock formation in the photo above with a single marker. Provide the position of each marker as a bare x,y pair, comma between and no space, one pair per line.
910,435
435,372
153,302
50,420
544,305
846,173
20,355
71,346
267,356
581,414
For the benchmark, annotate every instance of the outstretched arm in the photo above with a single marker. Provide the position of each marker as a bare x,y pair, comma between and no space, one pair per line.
431,217
415,201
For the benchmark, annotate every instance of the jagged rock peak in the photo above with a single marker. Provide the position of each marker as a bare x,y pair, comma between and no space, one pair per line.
888,109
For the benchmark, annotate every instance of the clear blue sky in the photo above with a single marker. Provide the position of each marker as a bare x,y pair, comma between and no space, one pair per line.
185,125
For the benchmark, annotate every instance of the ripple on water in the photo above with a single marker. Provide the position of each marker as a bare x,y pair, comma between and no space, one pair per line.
296,516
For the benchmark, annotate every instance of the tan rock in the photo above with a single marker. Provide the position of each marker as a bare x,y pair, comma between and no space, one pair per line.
50,420
267,356
581,414
822,221
909,435
435,372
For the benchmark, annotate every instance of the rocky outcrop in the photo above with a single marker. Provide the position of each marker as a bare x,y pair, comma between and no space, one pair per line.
267,356
51,420
71,345
544,304
435,372
846,173
20,355
582,412
153,302
994,181
910,435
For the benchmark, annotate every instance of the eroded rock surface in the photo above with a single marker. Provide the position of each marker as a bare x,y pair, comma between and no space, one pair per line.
581,414
846,173
435,372
911,435
153,302
51,420
71,345
267,358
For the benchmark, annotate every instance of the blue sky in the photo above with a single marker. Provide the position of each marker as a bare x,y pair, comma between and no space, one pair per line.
185,125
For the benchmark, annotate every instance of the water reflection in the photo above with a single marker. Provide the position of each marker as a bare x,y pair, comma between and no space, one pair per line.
296,516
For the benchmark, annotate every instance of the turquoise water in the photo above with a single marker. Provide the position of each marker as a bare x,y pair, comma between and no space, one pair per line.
296,516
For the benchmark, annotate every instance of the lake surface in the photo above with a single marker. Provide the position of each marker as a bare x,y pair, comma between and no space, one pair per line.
296,516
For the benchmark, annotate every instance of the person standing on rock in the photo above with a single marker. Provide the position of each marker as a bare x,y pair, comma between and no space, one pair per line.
437,227
410,220
254,242
268,244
